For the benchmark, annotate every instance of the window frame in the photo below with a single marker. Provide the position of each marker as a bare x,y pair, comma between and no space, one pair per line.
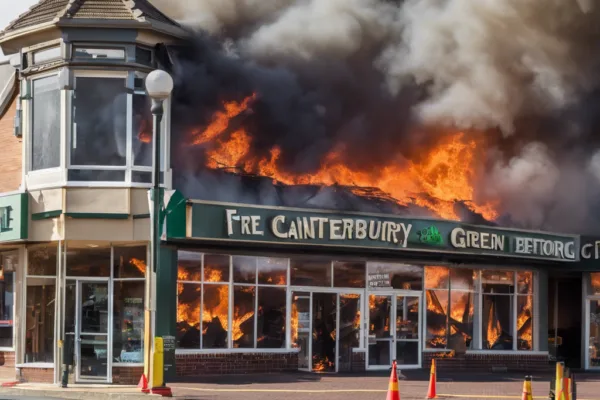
89,46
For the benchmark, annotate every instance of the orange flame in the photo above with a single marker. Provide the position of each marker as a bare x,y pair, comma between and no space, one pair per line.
139,264
443,177
220,121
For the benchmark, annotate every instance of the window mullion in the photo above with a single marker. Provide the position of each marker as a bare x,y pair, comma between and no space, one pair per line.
129,139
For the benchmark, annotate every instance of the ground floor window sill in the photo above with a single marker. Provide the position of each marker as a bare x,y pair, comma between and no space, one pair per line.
35,365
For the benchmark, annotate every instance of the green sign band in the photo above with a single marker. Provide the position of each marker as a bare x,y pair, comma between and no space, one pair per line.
259,224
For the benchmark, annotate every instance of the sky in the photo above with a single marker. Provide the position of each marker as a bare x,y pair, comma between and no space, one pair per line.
11,9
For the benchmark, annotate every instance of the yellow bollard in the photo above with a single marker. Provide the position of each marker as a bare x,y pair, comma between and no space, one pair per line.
558,392
158,370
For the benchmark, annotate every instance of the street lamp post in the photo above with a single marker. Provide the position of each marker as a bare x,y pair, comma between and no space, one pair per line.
159,86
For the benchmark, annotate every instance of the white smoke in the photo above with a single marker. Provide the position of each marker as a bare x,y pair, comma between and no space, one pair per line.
525,184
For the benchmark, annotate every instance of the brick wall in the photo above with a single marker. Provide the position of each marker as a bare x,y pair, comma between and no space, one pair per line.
127,375
40,375
10,162
235,363
488,362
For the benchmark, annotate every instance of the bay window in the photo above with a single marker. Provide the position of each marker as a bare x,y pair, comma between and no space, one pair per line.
108,138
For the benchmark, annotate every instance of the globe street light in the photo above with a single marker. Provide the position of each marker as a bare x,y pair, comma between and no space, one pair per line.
159,86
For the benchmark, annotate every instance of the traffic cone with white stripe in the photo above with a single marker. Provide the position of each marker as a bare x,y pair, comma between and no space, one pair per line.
431,393
393,393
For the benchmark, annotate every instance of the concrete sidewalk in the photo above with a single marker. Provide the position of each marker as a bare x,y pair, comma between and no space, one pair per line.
75,392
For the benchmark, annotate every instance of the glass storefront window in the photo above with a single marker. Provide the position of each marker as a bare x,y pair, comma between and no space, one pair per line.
272,271
256,317
128,331
594,335
41,261
349,328
244,269
395,276
349,274
189,266
129,262
271,318
310,272
188,315
524,322
216,268
88,262
39,320
7,304
594,284
497,323
215,312
244,298
300,324
498,281
437,319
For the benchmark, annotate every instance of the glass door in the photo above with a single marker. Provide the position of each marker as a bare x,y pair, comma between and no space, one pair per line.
407,343
593,334
394,330
380,331
92,332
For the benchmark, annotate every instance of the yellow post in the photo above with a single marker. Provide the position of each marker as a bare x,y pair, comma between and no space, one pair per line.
558,392
157,369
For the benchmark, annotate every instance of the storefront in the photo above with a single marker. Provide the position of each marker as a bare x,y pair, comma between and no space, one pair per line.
261,289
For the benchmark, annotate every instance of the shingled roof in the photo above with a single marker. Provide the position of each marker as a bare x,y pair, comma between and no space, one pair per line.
47,11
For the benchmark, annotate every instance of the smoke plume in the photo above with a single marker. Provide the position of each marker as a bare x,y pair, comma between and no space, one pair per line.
383,80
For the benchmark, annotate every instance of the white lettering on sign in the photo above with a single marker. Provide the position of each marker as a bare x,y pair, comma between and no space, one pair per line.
462,239
322,228
586,250
545,247
470,239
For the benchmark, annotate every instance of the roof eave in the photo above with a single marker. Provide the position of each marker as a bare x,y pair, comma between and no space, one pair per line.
125,24
8,93
6,36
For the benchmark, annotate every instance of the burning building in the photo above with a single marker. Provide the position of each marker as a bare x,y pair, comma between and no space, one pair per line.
346,184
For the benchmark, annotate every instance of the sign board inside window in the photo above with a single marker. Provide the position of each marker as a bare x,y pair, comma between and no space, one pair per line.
379,280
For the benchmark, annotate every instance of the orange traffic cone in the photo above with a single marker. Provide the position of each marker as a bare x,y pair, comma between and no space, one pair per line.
432,381
565,389
527,395
143,384
393,393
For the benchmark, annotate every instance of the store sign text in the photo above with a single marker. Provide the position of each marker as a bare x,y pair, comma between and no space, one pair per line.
591,249
521,245
303,228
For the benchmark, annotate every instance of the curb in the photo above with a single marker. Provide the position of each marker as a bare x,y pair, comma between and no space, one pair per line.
76,395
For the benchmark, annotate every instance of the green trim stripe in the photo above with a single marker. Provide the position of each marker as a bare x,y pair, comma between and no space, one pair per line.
141,216
46,215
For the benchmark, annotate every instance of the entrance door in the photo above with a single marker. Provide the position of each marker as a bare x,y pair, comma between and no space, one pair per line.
92,332
394,330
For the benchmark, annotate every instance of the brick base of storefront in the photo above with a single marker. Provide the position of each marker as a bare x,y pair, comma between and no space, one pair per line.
38,375
488,362
190,365
127,375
